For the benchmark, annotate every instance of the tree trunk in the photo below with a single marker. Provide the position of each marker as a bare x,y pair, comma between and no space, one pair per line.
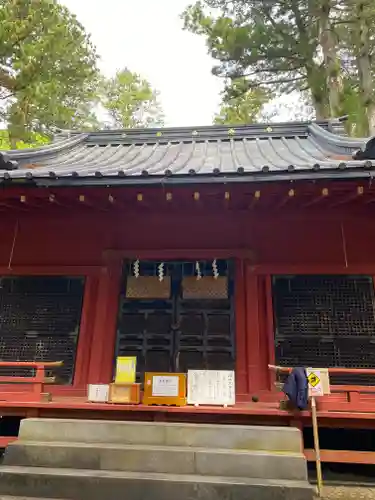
316,84
17,126
318,91
328,42
6,81
320,110
362,44
371,118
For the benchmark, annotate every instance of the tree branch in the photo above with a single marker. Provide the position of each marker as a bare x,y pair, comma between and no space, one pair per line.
277,82
6,81
272,70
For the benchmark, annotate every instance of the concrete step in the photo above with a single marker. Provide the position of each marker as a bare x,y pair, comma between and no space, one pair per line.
159,459
239,437
96,485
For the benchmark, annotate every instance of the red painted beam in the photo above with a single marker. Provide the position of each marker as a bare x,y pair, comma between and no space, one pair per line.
342,456
178,253
5,440
17,270
31,364
291,269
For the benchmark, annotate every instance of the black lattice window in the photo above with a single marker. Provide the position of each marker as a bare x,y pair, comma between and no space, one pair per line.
325,321
39,321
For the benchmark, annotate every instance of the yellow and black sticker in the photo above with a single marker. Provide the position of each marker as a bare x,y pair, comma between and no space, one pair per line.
313,379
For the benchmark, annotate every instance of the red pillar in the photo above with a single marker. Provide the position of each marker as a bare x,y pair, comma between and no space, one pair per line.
85,333
270,333
242,388
254,354
104,333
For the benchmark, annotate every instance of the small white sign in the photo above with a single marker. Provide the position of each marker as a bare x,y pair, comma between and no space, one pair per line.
211,387
315,379
98,393
165,386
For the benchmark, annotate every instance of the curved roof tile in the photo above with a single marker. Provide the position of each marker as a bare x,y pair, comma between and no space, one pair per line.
288,149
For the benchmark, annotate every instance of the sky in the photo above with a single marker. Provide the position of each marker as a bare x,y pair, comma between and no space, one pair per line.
146,36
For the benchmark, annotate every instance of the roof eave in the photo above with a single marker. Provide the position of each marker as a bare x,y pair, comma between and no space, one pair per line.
330,175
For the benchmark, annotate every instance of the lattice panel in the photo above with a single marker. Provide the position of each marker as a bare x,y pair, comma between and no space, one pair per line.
205,339
325,321
39,321
207,287
148,287
145,331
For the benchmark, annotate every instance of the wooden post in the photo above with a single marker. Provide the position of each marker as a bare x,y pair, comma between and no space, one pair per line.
86,331
316,446
104,334
242,388
253,331
270,334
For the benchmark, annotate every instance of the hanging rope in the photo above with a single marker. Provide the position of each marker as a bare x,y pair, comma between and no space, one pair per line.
198,270
136,268
161,271
215,269
15,234
344,245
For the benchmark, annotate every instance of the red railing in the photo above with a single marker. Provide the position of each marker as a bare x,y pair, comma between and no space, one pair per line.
343,399
331,371
37,381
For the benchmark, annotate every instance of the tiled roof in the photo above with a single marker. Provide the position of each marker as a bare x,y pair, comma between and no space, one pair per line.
254,152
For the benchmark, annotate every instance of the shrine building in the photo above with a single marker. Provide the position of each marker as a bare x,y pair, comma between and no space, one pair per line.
190,248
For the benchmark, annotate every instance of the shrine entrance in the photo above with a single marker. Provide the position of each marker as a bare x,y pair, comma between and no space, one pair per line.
177,315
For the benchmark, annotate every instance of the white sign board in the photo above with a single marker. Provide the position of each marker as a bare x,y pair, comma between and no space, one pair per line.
211,387
98,393
165,386
316,382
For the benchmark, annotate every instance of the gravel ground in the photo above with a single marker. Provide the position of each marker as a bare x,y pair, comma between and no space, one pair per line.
348,492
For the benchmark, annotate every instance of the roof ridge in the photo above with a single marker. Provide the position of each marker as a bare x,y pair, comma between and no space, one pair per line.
191,134
216,127
191,128
47,149
334,139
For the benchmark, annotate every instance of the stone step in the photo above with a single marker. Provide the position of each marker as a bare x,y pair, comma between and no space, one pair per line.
159,459
24,498
96,485
239,437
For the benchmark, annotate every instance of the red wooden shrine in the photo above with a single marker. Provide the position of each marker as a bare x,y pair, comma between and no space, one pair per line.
92,238
269,225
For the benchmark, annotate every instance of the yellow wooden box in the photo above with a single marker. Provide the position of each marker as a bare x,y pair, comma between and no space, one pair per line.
126,369
124,394
165,389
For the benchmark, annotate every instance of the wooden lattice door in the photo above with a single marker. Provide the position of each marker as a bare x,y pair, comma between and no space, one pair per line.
179,322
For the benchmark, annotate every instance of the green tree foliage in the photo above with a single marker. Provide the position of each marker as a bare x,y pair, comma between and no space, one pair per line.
241,105
131,101
322,47
48,69
35,140
273,44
